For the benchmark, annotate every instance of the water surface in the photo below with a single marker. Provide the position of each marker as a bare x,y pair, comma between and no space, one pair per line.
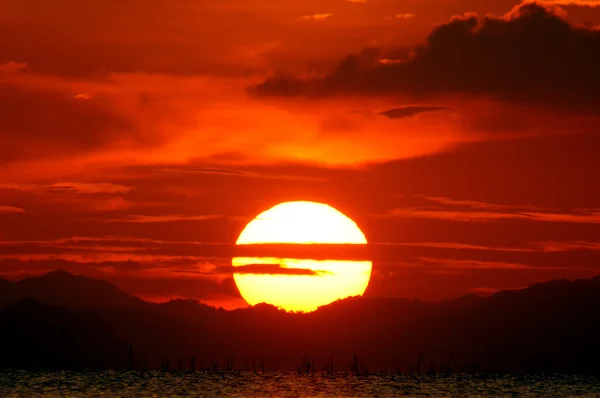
148,384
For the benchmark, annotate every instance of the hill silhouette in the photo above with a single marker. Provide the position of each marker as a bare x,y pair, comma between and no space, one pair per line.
549,327
61,288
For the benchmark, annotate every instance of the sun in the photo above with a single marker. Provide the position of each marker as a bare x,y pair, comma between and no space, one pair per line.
302,285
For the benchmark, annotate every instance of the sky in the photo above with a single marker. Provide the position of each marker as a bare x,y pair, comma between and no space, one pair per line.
139,137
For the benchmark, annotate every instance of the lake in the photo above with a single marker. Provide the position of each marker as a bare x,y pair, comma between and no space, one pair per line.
147,384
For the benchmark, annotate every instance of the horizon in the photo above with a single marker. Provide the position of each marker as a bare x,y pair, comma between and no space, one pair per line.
549,328
481,295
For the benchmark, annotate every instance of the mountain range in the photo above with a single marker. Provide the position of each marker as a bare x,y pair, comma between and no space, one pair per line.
59,320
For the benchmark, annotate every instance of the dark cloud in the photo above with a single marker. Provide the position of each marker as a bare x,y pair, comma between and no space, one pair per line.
410,110
532,54
69,188
274,269
44,123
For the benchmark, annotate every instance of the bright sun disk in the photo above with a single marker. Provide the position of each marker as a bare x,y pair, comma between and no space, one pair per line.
302,223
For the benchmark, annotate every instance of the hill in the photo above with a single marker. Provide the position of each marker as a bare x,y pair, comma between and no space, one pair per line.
61,288
549,327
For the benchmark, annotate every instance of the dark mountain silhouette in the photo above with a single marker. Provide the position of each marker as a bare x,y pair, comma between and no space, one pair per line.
66,290
4,283
549,327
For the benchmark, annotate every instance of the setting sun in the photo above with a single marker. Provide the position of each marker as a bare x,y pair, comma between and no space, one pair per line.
302,285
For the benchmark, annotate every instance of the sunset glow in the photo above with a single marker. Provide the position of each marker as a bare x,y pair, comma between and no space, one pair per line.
137,140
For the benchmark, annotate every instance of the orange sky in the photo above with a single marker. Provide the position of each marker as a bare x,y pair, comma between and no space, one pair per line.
138,137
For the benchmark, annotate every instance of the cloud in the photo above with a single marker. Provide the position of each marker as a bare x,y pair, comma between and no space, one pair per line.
476,211
411,110
136,218
114,240
69,188
240,173
492,290
399,17
530,55
200,122
13,67
317,17
460,246
492,265
445,201
451,215
579,3
37,122
587,217
583,217
11,209
562,246
275,269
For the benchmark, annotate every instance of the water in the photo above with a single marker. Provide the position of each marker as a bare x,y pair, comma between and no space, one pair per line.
148,384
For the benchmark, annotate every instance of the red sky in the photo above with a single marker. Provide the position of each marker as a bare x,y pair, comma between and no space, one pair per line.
137,137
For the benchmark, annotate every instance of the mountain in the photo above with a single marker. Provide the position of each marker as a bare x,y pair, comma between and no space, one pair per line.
4,283
6,292
549,327
61,288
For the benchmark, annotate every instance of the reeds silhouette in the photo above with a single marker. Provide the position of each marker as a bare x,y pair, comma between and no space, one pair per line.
419,363
229,363
309,365
130,361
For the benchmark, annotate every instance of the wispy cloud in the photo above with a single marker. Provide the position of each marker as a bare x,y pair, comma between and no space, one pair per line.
69,188
473,203
105,239
11,67
124,258
490,265
476,211
136,218
317,17
82,249
11,209
464,216
458,246
487,216
399,17
587,217
564,246
492,290
410,110
240,173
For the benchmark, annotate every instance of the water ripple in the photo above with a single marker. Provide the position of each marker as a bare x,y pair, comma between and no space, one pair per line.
186,384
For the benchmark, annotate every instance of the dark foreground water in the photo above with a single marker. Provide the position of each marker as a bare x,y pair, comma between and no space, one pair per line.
152,384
